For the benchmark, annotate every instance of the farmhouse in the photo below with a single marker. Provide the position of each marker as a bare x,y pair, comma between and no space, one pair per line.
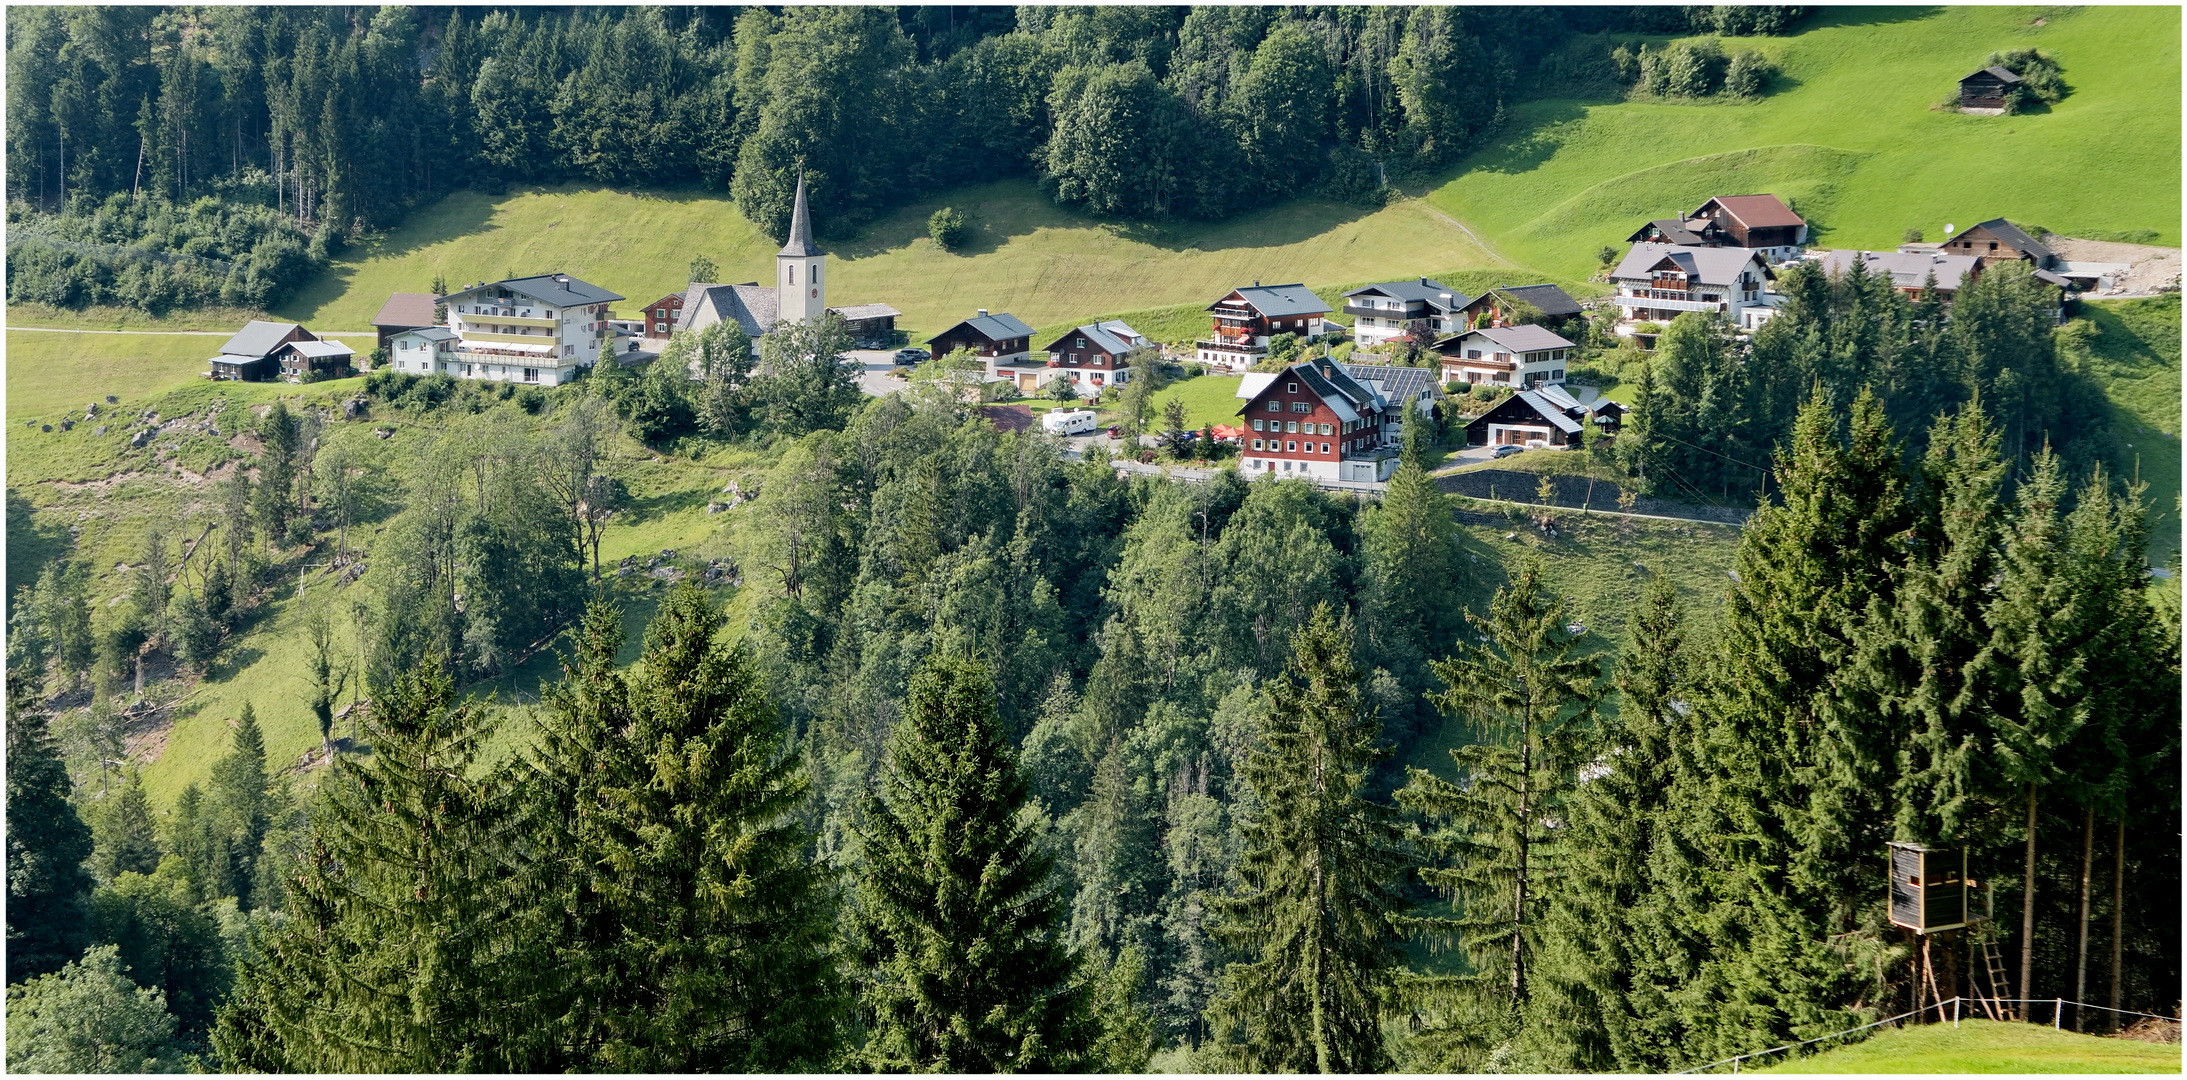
1507,305
1998,241
1761,222
403,311
1315,419
1246,318
1095,355
1989,88
1507,355
799,295
1392,309
426,350
253,354
308,361
1002,341
1545,416
658,319
542,329
1658,282
1910,271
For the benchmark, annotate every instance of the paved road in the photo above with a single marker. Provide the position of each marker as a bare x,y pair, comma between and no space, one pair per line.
175,333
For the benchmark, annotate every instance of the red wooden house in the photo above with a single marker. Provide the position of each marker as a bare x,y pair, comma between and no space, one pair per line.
1313,419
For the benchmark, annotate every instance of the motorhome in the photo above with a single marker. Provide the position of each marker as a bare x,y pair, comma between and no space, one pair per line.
1069,422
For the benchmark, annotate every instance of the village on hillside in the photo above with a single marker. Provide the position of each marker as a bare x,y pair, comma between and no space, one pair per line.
1317,398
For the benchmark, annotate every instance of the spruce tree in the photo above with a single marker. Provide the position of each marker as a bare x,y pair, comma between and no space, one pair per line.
1411,570
239,809
128,839
702,930
402,947
1319,916
47,846
1523,696
966,970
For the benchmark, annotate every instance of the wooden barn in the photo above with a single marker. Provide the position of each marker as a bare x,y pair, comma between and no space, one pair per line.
1987,88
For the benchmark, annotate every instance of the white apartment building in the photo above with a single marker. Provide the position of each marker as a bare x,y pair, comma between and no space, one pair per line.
1659,282
539,330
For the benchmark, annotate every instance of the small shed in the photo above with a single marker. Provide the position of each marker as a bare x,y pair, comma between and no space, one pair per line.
1929,887
1987,88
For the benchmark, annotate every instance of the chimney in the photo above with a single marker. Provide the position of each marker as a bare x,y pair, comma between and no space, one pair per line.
1256,283
983,313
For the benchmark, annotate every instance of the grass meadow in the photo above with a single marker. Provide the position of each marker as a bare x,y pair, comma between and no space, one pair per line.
1986,1046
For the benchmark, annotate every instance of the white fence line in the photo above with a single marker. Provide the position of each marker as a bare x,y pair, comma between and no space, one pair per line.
2057,1010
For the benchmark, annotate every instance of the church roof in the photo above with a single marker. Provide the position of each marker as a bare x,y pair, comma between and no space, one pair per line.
750,305
800,244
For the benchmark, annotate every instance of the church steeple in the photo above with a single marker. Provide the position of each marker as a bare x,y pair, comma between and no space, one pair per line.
800,243
800,294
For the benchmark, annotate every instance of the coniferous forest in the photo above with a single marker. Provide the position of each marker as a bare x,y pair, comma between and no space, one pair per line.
1012,763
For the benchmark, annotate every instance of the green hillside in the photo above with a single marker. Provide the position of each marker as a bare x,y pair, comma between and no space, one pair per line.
1984,1046
1849,135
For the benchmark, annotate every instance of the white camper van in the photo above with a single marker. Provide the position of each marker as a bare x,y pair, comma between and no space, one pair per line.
1071,422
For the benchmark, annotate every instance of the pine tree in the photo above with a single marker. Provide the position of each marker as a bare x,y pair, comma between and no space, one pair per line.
47,846
402,948
966,970
702,930
1523,695
1319,916
240,809
1411,570
127,840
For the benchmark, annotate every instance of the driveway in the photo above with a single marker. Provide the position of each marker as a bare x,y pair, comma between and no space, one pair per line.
873,371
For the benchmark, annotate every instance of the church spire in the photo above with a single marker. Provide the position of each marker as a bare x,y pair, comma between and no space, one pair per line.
800,243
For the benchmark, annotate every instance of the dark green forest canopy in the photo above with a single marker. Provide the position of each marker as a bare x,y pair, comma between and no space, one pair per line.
307,127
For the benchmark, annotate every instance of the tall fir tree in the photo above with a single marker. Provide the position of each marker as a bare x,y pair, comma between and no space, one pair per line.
47,846
1523,697
240,809
1318,918
705,931
959,915
127,840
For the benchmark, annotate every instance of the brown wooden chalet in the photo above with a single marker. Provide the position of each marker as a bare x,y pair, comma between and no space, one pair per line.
1313,419
1000,340
1244,320
1750,221
658,320
1999,241
1096,355
1547,415
305,361
1988,88
403,311
250,356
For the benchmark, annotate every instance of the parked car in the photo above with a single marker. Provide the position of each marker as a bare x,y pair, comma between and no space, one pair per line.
1507,450
1116,432
910,356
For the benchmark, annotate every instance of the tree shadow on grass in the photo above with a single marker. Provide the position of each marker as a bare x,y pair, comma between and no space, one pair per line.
32,543
649,508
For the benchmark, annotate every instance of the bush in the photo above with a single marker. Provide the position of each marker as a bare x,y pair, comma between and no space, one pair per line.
2041,80
152,255
946,227
1748,75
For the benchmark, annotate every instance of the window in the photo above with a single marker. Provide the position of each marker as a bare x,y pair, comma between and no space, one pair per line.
1292,446
1256,444
1293,426
1301,407
1275,406
1328,429
1473,354
1081,343
1257,425
531,374
660,313
793,273
1290,388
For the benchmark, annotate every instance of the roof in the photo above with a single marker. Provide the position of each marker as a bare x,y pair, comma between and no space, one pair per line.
1327,380
1395,383
2054,279
1008,417
1754,211
1274,301
1548,409
1908,270
1547,299
1672,230
318,349
553,290
2001,74
406,309
1710,266
1419,290
2010,234
1113,336
257,338
751,305
800,243
866,311
1001,327
430,333
1518,339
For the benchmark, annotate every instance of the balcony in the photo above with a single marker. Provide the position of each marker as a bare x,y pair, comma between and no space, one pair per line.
1224,345
514,339
508,316
1383,312
510,357
1666,303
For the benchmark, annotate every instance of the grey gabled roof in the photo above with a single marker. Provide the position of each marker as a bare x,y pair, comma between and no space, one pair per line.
1275,301
320,348
1547,299
1419,290
1518,339
1710,266
1908,270
751,305
1673,231
2011,234
257,338
552,290
1112,336
429,333
800,243
1001,327
1550,410
2003,74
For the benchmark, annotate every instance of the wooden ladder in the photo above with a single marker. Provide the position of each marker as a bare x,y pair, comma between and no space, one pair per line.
1993,966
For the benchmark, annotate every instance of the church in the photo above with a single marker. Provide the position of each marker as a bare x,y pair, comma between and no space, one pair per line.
799,295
